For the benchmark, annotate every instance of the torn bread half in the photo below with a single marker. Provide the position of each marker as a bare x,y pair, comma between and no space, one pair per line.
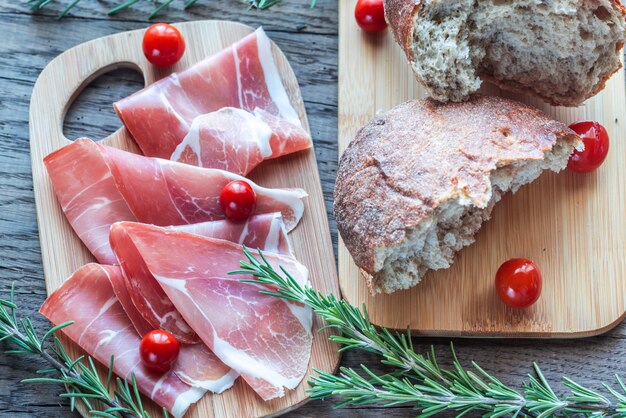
563,51
418,181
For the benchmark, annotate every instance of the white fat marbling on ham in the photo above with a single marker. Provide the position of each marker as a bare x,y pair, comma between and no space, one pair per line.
98,185
188,366
267,340
229,139
265,231
170,118
237,62
102,328
272,79
196,366
191,143
303,313
186,399
276,241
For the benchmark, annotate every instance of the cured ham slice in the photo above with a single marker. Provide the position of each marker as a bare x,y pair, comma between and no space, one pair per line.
149,308
247,113
235,140
102,328
98,185
118,284
266,232
88,194
148,298
190,365
267,340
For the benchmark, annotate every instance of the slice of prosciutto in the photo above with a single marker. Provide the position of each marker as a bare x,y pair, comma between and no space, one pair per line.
236,140
190,364
118,284
267,340
98,185
150,302
247,113
102,328
265,232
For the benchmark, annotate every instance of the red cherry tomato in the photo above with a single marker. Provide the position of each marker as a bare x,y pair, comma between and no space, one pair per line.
238,200
370,15
163,45
159,350
596,147
518,283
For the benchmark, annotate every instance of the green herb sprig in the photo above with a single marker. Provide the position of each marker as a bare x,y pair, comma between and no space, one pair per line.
418,379
159,5
78,375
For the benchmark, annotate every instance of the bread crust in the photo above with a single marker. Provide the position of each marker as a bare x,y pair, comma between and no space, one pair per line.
404,163
400,15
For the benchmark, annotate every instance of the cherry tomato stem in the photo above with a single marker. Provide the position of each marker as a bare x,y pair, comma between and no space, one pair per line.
596,141
518,283
159,350
370,15
238,200
163,45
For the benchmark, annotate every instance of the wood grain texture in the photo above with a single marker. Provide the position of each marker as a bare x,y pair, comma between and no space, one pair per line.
31,41
570,224
62,252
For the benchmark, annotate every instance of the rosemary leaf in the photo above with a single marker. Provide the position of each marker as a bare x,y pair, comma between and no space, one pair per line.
121,7
68,8
156,11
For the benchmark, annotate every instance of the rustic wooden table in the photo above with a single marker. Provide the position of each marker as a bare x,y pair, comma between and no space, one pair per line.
309,39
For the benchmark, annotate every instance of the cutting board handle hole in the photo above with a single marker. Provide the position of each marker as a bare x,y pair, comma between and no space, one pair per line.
91,112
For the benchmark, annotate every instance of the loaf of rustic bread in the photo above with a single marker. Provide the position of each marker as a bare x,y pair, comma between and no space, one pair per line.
417,182
563,51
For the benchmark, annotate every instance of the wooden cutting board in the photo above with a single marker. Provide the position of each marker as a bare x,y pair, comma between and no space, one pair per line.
571,225
62,252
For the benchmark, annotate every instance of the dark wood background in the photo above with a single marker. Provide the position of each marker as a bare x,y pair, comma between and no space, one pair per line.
309,39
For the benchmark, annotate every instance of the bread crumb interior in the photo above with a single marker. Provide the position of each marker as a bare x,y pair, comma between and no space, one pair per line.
557,49
433,243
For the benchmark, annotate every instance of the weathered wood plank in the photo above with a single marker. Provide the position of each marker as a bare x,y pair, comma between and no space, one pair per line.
30,42
291,16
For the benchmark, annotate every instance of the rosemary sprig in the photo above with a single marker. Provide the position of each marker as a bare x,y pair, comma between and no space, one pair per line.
418,379
159,5
79,376
266,4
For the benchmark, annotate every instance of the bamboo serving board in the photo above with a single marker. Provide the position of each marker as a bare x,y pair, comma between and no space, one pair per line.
571,225
62,252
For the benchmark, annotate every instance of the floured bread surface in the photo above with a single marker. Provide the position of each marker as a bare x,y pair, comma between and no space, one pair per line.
563,51
417,182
